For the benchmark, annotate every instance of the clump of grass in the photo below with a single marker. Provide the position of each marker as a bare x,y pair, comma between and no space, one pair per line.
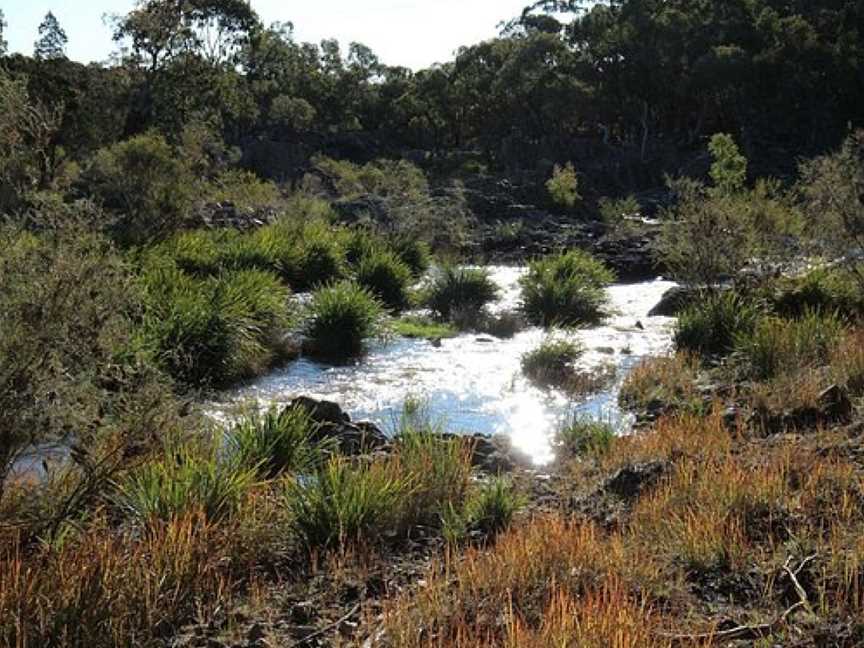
585,437
458,289
566,290
345,503
847,362
387,277
413,252
776,345
342,317
417,326
665,381
552,362
492,507
710,326
307,255
183,481
826,290
275,442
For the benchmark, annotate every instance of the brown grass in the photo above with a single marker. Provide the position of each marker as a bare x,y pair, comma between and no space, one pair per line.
668,380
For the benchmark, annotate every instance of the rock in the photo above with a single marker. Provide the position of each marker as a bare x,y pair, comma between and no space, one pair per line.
835,404
334,424
674,301
496,454
630,481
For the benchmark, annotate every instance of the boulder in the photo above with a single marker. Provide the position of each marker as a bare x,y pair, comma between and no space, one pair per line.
334,424
674,301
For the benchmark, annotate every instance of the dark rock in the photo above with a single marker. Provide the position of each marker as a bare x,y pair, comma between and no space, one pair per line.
674,301
496,454
630,481
333,424
835,404
321,411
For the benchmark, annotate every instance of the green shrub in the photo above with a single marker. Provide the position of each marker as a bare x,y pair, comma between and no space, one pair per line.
243,189
552,362
184,481
307,256
345,503
613,212
413,252
711,325
342,317
563,186
775,346
567,289
824,289
586,437
387,277
214,330
457,289
275,442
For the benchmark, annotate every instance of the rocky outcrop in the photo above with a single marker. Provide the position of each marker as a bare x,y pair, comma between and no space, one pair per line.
334,424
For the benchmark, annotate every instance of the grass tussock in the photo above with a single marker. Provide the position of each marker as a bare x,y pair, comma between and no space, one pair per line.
455,289
387,277
342,317
711,325
585,438
566,290
663,381
552,362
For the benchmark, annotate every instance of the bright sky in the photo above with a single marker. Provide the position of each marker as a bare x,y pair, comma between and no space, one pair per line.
413,33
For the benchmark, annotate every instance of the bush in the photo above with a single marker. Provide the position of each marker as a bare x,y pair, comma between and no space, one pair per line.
387,277
552,362
308,255
146,183
710,326
214,330
563,186
566,290
276,442
824,289
184,481
345,503
413,252
586,437
774,345
342,317
456,289
243,189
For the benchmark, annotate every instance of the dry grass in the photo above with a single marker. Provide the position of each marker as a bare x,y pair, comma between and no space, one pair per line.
667,381
847,362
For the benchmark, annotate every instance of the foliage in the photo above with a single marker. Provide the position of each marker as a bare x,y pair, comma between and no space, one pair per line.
145,183
552,362
563,186
417,326
387,277
243,189
774,345
52,40
344,503
613,212
275,442
729,168
342,316
664,381
823,289
492,507
565,289
455,289
711,325
213,330
585,437
184,481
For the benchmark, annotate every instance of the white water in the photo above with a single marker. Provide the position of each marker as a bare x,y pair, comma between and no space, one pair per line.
474,383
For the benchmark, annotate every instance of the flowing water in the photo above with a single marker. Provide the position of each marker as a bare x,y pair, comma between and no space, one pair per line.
474,383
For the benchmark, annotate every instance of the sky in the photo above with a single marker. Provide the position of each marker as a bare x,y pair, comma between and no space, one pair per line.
412,33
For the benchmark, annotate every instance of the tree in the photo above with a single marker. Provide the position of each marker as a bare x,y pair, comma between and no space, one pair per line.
563,186
52,40
729,170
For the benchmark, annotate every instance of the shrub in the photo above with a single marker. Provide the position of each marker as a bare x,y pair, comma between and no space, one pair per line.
492,507
243,189
184,481
563,186
144,181
552,362
711,325
613,212
455,289
214,330
413,252
308,255
566,289
387,277
823,289
342,317
586,437
345,503
275,442
729,169
775,345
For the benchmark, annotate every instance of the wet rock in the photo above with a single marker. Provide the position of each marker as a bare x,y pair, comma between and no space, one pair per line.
631,480
674,301
835,404
496,454
333,423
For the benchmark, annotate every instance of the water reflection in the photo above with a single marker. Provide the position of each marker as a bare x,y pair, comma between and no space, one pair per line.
473,382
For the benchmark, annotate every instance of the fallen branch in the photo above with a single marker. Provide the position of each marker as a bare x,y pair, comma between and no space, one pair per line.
328,628
761,630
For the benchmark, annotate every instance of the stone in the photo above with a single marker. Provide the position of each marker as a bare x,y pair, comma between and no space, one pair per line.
631,480
335,424
835,404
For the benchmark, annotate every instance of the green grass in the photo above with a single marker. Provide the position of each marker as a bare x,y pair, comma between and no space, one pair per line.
275,442
184,481
566,290
711,325
459,289
417,326
493,505
827,290
775,345
412,252
552,362
345,503
387,277
585,437
342,317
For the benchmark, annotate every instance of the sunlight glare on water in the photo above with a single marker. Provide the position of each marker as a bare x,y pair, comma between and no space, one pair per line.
474,384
